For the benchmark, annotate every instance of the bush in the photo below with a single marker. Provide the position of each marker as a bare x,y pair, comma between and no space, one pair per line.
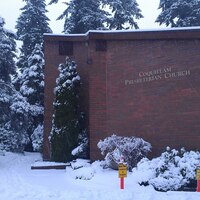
132,149
173,170
66,125
37,138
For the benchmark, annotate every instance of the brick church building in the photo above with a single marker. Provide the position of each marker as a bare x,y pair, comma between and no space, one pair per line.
134,83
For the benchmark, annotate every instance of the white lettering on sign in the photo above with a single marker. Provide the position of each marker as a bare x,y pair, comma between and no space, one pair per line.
157,74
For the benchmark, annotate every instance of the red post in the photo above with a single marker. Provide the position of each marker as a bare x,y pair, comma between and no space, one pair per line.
198,185
122,183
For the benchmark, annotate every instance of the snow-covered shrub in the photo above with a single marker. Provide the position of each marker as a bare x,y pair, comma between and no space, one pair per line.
171,171
83,169
79,163
66,124
11,140
13,119
79,149
132,149
85,173
82,150
37,138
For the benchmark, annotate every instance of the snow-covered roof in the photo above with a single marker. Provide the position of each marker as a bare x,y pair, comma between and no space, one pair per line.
127,31
185,32
145,30
64,35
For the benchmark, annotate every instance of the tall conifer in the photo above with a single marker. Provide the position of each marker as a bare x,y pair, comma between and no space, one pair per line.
83,15
7,53
124,14
13,107
179,13
66,120
31,25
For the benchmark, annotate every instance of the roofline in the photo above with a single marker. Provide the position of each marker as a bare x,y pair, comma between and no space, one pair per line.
139,34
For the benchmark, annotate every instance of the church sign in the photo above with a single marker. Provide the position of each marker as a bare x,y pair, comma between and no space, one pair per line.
158,74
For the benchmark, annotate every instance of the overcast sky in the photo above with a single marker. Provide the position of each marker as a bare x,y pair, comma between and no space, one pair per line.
10,11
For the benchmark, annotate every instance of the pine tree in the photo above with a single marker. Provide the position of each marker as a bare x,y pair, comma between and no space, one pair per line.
13,107
7,68
37,138
125,13
83,15
13,121
33,89
7,52
33,77
66,120
31,25
179,13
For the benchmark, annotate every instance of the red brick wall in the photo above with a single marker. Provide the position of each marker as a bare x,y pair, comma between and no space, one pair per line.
121,97
97,99
163,112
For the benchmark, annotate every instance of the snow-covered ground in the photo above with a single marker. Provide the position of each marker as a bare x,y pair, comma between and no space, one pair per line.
19,182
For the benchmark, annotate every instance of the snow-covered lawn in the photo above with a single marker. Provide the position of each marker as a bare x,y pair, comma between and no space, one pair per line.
19,182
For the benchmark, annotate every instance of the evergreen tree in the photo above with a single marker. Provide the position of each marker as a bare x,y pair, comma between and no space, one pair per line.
37,138
33,77
7,67
7,53
66,120
33,89
124,14
13,119
83,15
13,107
179,13
31,25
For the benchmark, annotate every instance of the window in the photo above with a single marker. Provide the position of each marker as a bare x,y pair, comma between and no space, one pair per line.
101,45
66,48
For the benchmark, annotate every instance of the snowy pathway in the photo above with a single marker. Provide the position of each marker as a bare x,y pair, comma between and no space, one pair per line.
19,182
